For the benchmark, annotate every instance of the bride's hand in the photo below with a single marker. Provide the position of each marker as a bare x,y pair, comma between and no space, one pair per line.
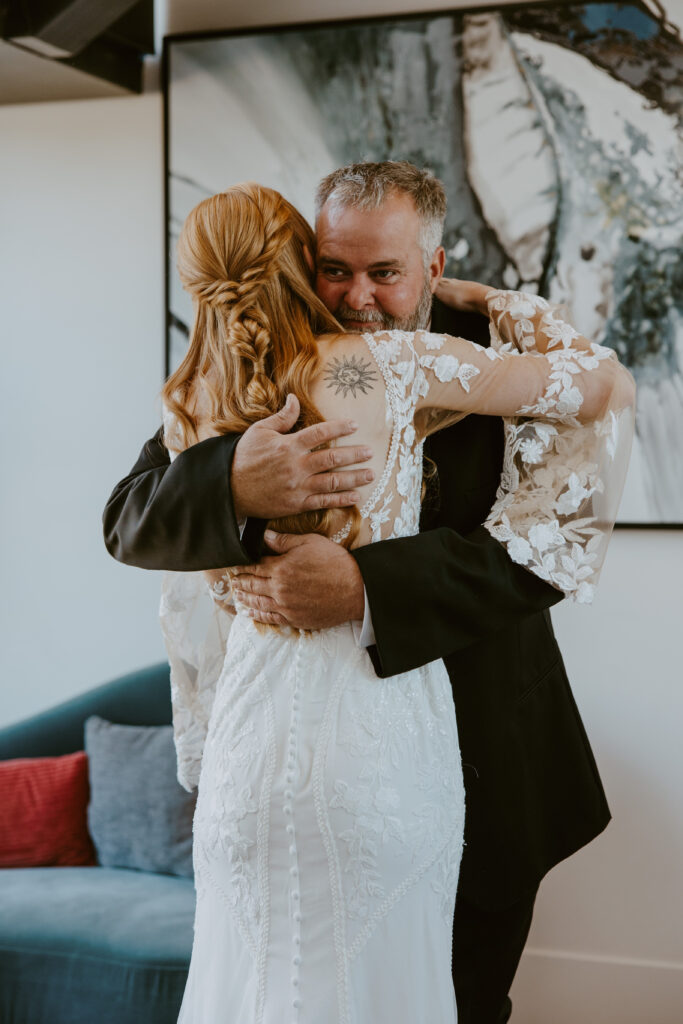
468,296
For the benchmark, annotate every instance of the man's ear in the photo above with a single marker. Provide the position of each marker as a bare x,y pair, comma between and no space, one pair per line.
436,268
308,256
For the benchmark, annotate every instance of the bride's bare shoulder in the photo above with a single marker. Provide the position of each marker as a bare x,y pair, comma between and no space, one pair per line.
329,343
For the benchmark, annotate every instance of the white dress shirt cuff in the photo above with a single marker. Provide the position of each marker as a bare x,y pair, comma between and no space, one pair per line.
364,631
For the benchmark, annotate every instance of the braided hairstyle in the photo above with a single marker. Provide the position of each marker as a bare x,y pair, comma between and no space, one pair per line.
253,341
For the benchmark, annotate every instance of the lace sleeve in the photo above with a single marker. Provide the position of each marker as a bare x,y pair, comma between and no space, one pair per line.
562,480
195,630
568,411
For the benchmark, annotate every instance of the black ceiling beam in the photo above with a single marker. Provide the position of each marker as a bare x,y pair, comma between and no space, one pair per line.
106,40
61,28
108,60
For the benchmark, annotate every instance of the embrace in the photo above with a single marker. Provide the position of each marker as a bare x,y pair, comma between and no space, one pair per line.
378,481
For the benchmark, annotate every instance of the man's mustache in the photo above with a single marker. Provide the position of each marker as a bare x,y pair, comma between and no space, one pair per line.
362,316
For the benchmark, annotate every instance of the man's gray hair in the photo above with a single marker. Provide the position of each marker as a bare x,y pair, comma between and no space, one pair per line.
365,186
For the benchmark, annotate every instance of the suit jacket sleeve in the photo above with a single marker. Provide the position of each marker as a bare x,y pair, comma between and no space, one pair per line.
180,515
433,594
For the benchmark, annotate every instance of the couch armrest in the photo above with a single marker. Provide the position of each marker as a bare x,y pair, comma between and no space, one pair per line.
139,698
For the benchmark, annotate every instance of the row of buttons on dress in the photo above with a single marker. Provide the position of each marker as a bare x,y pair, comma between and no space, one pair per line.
295,896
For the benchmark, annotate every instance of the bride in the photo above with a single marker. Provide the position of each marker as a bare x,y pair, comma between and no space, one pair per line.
329,822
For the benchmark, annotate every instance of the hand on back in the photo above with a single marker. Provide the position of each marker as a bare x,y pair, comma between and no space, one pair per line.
310,583
276,473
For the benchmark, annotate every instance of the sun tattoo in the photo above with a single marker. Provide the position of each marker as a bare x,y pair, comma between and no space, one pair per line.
347,374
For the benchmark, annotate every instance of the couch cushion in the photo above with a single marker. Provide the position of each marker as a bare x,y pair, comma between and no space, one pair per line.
43,806
139,814
79,945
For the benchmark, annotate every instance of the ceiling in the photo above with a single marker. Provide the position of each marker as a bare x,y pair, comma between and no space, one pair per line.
99,46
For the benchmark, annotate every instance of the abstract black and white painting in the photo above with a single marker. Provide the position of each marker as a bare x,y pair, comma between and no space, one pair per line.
555,128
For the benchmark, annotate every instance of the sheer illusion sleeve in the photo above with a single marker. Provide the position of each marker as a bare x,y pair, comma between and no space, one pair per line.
568,411
195,622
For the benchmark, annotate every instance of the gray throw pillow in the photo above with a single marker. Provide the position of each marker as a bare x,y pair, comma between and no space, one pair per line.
139,815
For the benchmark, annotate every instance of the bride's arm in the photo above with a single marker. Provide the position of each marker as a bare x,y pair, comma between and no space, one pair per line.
568,408
218,579
538,366
505,308
219,586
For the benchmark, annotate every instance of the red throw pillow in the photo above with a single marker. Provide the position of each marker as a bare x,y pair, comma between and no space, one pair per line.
43,812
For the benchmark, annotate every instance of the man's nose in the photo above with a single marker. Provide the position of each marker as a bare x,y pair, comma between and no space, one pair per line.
360,293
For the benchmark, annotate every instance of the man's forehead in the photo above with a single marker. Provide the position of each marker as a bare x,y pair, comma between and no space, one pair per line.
348,253
385,234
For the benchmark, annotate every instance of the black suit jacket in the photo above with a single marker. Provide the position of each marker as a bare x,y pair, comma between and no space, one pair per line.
533,793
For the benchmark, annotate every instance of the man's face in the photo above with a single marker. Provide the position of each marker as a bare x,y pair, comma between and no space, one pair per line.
369,266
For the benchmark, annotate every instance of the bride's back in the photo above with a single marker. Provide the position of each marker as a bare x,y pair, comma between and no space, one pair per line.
352,383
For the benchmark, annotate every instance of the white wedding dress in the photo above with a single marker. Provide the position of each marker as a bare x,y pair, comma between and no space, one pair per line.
329,823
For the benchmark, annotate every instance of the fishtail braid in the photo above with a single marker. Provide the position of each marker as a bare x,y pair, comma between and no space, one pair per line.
247,327
249,339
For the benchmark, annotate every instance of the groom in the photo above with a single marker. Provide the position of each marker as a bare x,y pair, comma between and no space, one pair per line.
533,795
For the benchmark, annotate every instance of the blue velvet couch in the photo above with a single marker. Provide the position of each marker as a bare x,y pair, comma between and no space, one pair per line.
93,945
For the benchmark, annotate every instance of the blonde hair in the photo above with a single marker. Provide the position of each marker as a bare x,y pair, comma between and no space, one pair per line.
241,257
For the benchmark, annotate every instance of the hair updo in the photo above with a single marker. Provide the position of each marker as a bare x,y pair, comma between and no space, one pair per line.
241,256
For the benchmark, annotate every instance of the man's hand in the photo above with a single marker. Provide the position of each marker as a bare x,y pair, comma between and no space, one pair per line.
276,474
468,296
312,583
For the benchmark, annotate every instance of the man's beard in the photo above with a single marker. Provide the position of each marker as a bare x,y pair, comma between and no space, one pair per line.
416,321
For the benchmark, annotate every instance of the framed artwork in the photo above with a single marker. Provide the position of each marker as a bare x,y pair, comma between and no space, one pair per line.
555,127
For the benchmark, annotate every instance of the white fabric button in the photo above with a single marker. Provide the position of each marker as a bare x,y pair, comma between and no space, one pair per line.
295,894
297,915
288,794
296,961
290,830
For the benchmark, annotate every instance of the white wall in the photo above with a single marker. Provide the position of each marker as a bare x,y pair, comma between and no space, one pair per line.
606,944
81,308
81,315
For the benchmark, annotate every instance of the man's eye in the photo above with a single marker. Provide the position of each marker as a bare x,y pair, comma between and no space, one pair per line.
385,275
332,271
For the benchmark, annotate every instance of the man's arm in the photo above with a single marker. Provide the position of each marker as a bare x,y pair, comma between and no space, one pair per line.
183,514
438,592
177,515
429,595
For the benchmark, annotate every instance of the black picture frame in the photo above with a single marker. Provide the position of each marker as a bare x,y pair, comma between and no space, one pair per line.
172,41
